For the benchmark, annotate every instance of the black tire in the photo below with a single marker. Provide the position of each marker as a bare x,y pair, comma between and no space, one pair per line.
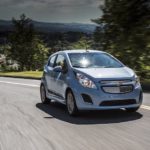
132,110
44,99
71,104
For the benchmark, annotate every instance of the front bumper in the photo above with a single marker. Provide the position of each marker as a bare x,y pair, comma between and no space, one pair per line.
98,96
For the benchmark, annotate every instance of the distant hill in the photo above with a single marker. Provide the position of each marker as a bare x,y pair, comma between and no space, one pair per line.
52,27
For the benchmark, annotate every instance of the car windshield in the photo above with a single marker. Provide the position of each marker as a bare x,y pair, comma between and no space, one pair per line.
93,60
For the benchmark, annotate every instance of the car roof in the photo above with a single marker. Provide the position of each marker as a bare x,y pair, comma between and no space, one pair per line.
76,51
82,51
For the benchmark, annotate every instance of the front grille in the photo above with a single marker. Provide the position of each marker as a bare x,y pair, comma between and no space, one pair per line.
115,82
118,89
118,102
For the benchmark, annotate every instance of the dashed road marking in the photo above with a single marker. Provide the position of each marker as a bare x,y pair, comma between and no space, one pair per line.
24,84
145,107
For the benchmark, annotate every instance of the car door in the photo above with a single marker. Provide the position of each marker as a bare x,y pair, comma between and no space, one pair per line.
49,74
60,77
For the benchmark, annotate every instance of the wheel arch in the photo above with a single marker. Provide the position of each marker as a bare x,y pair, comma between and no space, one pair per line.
67,90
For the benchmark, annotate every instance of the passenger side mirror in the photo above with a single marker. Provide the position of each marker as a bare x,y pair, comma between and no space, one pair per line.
57,69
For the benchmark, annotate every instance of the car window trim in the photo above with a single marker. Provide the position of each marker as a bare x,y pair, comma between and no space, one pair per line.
50,60
64,59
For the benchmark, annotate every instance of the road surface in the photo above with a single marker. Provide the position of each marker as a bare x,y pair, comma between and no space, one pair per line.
26,124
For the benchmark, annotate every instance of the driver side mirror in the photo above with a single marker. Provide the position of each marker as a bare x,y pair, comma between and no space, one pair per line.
58,69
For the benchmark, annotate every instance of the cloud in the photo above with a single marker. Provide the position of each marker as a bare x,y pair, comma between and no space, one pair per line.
51,3
52,10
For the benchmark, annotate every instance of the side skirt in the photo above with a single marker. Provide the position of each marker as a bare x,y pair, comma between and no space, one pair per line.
56,96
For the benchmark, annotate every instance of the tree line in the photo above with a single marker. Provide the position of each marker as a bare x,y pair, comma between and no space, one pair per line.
30,49
123,30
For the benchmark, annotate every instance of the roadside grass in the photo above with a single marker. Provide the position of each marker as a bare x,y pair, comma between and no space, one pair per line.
38,74
32,74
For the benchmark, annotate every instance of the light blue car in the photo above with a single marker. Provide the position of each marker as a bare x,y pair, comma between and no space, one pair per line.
90,80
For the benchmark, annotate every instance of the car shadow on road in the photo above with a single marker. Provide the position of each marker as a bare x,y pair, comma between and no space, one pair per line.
58,111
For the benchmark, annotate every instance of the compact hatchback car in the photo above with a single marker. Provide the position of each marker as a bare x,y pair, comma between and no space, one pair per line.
90,80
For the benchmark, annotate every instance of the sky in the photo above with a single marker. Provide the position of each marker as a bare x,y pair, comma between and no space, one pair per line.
67,11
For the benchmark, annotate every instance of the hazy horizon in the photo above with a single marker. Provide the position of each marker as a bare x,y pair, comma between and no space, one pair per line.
92,23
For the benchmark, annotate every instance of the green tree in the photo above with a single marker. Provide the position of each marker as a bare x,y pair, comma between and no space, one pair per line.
25,43
124,31
83,43
40,56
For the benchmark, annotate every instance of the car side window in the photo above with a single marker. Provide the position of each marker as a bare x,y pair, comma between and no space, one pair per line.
52,61
61,61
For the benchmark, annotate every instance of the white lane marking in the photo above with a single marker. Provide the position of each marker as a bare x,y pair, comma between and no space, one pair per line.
31,85
145,107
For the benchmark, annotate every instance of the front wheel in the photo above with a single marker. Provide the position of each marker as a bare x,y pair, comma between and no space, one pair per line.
132,109
71,104
44,99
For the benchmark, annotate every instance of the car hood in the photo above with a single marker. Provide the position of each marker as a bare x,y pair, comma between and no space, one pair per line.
105,73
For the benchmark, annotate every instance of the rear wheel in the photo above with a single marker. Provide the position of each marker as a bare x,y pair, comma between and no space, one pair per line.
44,99
71,104
132,109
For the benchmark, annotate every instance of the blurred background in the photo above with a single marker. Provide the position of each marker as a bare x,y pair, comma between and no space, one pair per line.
30,31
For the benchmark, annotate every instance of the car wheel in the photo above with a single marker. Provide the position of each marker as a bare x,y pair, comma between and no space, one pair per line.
71,104
44,99
132,109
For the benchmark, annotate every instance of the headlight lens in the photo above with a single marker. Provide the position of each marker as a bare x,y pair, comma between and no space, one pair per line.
84,81
137,80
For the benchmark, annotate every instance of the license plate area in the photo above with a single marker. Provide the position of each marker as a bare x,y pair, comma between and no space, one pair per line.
118,89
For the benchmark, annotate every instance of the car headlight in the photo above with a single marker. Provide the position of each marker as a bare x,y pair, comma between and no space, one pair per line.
84,81
136,80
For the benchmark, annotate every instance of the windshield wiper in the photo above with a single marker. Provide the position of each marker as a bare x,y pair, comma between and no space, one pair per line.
76,66
112,66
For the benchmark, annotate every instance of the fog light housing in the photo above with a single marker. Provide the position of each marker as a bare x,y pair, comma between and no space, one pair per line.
87,98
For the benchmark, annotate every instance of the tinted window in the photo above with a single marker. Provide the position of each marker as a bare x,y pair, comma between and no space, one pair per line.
52,61
93,60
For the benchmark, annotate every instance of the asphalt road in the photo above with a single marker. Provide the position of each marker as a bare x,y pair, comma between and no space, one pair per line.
26,124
